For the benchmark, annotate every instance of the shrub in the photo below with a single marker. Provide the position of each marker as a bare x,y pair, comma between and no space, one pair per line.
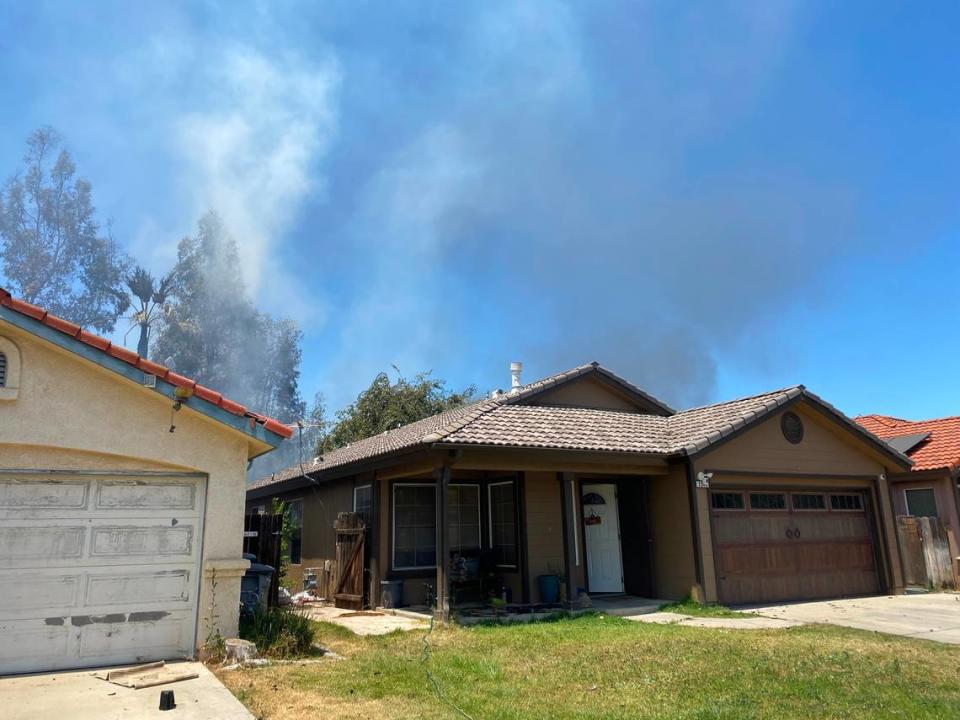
278,632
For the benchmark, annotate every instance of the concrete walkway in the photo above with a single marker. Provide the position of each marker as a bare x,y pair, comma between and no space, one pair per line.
933,616
733,623
367,622
78,695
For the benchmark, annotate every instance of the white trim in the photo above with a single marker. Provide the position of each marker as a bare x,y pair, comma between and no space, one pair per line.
361,487
479,514
516,534
906,503
393,527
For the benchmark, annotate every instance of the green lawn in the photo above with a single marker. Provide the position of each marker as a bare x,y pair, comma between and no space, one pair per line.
603,667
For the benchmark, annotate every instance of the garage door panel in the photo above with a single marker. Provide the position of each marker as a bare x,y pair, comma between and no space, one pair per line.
102,575
803,552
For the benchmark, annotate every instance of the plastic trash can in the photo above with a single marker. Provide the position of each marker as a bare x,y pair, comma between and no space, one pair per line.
391,593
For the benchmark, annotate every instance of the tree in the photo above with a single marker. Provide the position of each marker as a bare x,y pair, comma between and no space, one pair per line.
149,297
387,405
52,251
212,331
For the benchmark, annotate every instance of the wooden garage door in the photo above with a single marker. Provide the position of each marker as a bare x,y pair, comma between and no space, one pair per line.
97,569
775,545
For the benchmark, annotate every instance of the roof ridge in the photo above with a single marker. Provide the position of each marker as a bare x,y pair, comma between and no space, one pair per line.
778,391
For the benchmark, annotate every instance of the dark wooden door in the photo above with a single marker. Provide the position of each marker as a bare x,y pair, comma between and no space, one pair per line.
774,545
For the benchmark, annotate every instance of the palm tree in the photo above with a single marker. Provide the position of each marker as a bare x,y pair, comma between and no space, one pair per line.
149,302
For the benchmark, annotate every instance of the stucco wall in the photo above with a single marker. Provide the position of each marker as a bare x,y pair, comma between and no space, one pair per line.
673,564
544,527
72,414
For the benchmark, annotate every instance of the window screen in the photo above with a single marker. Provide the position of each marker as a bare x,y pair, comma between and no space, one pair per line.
414,526
922,502
807,501
295,513
846,502
463,517
503,524
768,501
726,501
363,502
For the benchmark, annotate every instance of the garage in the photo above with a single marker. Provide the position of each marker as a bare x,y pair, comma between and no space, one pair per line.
97,569
792,544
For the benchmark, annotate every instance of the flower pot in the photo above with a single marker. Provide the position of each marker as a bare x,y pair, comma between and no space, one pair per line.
549,588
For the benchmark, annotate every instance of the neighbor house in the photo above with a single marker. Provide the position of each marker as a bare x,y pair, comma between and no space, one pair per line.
929,489
773,497
121,500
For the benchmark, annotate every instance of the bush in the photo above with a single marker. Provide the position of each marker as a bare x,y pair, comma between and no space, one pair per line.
278,632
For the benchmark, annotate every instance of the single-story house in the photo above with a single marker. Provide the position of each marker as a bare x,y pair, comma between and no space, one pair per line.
121,500
778,496
930,488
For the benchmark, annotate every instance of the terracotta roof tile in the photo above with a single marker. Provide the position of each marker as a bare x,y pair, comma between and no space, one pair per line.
940,450
131,358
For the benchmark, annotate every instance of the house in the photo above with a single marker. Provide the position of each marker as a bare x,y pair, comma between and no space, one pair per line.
778,496
929,489
121,500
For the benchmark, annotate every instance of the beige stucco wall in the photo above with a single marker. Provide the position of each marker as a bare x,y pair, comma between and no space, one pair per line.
73,414
544,528
585,392
673,560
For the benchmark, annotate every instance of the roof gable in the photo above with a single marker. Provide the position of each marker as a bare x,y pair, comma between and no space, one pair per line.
131,366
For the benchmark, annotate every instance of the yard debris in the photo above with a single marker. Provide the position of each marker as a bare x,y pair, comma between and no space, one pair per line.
307,596
283,596
239,651
144,676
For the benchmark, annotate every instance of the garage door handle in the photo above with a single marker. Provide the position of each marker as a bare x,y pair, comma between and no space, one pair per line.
789,533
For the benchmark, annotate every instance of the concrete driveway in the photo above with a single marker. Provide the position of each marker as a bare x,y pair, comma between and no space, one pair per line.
934,616
79,695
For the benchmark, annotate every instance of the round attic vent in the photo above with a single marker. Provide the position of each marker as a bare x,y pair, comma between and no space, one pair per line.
792,427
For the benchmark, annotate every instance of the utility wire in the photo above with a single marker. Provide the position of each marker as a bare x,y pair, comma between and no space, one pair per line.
425,658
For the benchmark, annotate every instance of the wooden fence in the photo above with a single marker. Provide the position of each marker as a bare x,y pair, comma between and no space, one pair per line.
351,570
926,552
261,537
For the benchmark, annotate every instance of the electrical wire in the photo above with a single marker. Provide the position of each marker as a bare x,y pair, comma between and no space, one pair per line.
425,658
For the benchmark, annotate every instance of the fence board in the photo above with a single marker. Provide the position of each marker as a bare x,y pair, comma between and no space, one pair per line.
350,570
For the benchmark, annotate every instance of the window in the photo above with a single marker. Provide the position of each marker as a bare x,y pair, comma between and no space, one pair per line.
726,501
414,527
463,517
768,501
295,511
592,498
363,502
9,369
808,501
3,370
921,502
503,523
846,502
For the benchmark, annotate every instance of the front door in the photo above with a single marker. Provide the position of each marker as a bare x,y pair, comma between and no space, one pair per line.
601,534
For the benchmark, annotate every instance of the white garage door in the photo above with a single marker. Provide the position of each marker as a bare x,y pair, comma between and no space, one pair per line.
97,569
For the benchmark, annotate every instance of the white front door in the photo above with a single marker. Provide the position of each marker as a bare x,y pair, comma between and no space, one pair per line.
601,533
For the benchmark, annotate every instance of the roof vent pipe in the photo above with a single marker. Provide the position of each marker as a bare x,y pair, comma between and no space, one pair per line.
515,369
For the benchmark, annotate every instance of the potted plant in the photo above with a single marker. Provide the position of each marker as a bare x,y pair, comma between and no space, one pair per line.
549,585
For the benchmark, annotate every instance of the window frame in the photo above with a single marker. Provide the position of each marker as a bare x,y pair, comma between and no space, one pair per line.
479,516
516,522
782,493
925,488
741,493
290,503
393,527
826,503
367,486
859,496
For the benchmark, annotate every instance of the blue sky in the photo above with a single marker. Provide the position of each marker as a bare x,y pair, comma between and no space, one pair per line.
713,199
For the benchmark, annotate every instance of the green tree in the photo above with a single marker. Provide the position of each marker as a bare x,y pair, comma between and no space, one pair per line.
52,250
386,405
212,331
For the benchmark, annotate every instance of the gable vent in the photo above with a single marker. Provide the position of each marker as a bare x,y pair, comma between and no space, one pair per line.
3,370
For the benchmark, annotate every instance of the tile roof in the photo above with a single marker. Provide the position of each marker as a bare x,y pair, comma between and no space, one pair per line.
131,358
940,450
501,422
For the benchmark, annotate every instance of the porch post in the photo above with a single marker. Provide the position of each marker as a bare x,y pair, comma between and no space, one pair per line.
442,611
374,537
571,553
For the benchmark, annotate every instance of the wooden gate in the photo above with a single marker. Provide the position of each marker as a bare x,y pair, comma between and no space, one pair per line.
351,532
261,537
926,552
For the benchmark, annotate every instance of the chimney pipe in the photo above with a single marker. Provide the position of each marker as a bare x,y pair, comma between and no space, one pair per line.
515,369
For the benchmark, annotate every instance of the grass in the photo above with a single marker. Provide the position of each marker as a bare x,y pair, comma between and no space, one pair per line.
689,607
604,667
279,632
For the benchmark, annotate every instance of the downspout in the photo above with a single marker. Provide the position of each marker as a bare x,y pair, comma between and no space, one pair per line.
695,526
